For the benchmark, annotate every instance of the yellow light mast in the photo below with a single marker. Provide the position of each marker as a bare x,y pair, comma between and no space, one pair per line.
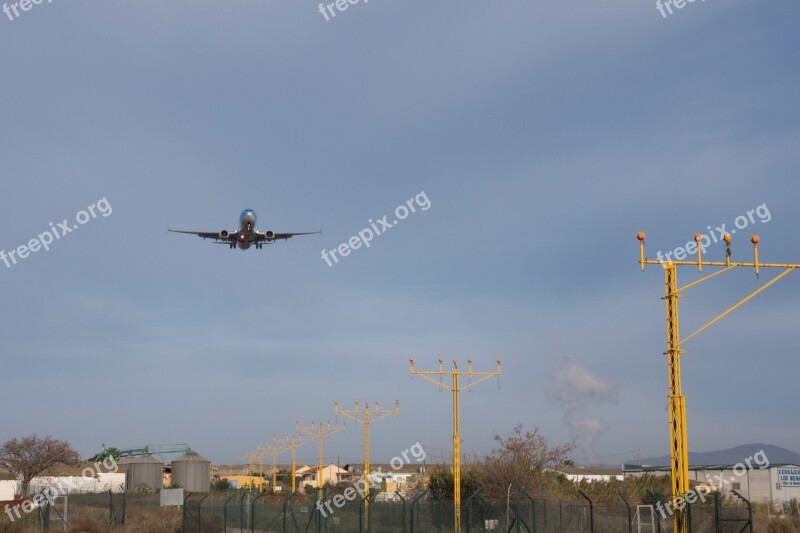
320,433
362,416
455,388
679,452
291,443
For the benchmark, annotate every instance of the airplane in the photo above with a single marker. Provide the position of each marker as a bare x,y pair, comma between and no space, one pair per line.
246,235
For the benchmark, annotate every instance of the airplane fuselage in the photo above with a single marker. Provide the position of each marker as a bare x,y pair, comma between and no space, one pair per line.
247,229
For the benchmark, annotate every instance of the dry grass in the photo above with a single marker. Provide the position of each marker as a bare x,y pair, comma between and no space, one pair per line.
93,520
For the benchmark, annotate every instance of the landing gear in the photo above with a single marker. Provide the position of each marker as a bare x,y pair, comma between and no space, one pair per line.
233,245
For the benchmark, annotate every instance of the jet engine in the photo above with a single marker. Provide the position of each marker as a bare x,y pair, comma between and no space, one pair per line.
223,235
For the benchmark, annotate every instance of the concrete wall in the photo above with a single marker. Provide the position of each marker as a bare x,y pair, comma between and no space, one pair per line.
79,484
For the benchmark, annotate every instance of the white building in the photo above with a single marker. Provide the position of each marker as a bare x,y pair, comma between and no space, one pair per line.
330,474
778,483
578,474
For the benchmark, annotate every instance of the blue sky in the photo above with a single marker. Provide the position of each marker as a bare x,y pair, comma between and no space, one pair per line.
545,136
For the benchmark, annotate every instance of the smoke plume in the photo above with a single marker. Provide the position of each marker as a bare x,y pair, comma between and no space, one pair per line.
576,389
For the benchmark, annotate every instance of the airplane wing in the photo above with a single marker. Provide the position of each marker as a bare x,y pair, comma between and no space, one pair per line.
269,236
210,234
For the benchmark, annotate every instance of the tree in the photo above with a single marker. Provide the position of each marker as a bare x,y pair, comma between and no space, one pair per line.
31,455
523,459
222,484
441,480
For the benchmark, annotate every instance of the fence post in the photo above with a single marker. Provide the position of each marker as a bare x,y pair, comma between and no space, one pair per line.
185,517
404,509
469,509
749,510
544,511
253,511
364,512
362,506
225,514
285,509
413,504
242,523
111,518
518,521
630,518
717,517
124,503
439,499
319,506
200,513
560,517
591,511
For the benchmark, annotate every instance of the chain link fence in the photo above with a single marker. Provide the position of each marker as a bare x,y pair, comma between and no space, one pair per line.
244,511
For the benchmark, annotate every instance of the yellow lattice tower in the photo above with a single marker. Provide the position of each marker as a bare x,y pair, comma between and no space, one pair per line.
320,433
455,388
679,451
366,416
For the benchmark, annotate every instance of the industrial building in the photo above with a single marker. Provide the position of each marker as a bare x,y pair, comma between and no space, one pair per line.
778,483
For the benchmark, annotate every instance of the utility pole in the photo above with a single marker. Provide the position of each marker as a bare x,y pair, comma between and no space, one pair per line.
362,416
292,442
455,388
679,452
320,433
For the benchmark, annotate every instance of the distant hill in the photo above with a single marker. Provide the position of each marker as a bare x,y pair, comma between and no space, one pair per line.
775,455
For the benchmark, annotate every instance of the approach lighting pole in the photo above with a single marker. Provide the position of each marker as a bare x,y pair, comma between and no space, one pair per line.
291,442
679,451
362,416
455,388
249,456
320,433
273,450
